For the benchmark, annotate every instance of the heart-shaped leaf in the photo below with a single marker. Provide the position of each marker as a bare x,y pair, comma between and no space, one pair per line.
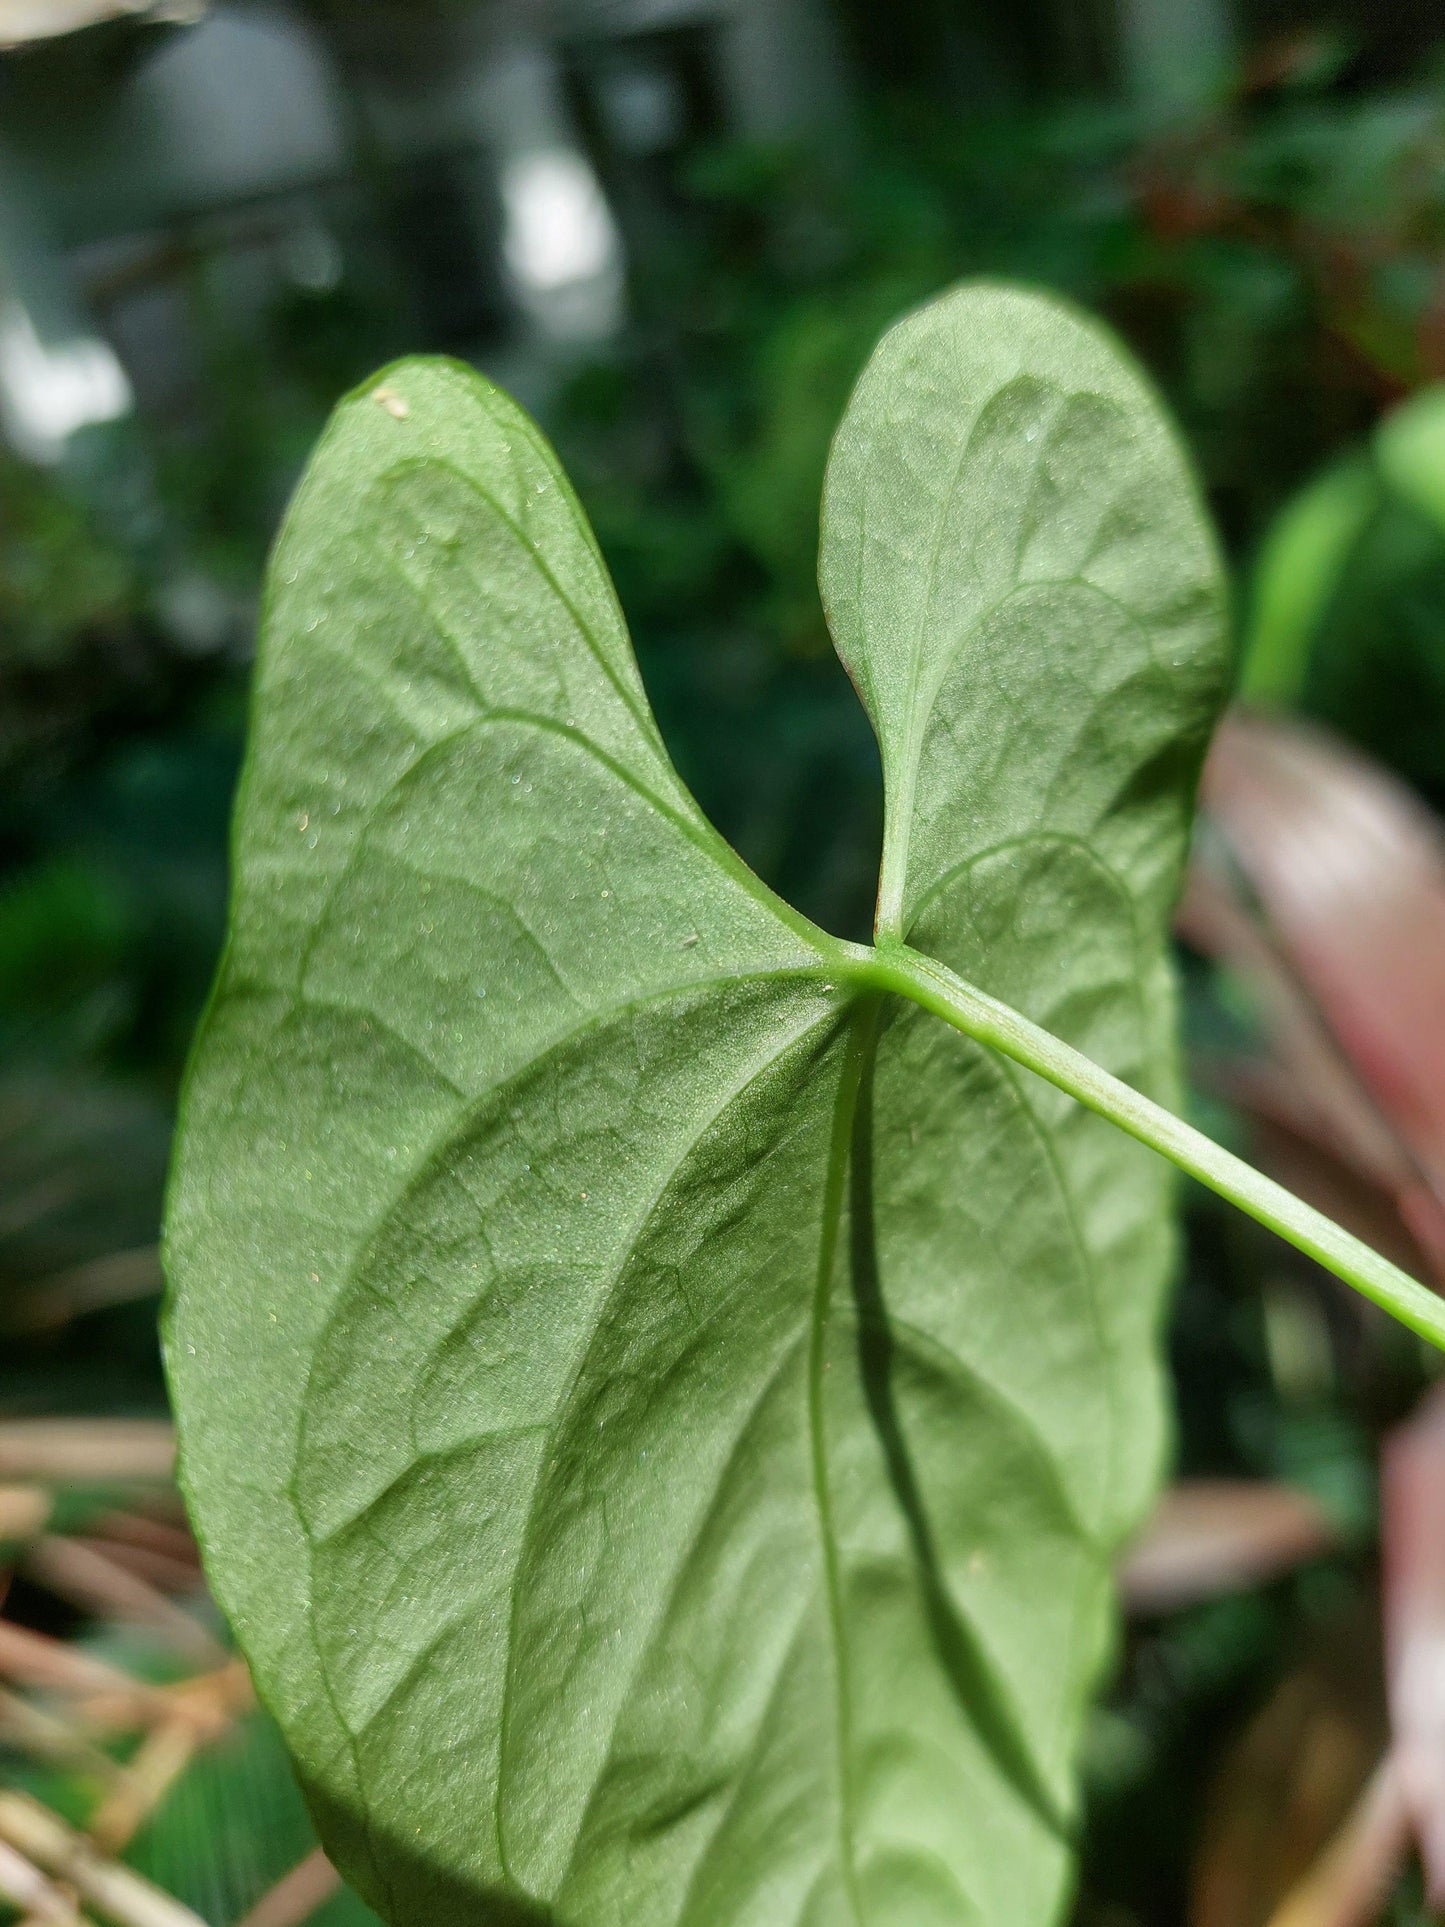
661,1410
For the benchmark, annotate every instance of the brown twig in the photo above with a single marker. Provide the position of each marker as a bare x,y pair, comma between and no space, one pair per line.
95,1582
45,1736
35,1659
161,1503
297,1895
23,1511
113,1891
24,21
212,1700
132,1528
98,1451
208,1703
156,1766
158,1569
24,1886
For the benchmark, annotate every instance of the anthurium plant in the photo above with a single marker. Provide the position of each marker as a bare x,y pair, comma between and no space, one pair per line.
662,1388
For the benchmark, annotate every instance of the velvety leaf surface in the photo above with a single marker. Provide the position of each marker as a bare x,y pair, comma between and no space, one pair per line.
659,1415
1019,579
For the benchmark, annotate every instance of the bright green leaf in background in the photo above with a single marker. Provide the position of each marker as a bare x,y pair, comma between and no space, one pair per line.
660,1407
1410,450
1302,563
1357,549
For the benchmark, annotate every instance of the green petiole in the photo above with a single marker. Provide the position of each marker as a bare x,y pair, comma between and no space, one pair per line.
907,973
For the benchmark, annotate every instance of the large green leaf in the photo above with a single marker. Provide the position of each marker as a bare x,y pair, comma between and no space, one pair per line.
659,1411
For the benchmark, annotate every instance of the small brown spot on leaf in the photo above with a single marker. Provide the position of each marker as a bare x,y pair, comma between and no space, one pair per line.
391,402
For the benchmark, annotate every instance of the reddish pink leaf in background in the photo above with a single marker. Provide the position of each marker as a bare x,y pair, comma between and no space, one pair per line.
1348,868
1412,1500
1319,882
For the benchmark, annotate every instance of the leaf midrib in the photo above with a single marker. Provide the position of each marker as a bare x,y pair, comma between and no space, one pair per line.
758,1068
862,1042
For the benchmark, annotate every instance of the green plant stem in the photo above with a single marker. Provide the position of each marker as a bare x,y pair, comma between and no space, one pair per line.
894,967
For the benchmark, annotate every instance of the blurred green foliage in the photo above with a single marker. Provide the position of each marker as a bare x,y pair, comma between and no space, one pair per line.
1347,603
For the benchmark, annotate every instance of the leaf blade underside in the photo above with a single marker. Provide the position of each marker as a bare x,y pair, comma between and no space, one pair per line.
660,1416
